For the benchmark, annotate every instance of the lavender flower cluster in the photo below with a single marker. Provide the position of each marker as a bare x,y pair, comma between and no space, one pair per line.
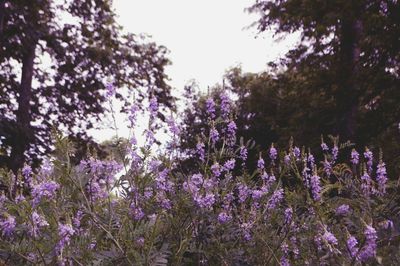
287,208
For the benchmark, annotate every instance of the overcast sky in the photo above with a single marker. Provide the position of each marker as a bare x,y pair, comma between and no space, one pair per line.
204,37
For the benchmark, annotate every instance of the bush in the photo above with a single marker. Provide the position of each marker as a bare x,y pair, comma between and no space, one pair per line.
292,210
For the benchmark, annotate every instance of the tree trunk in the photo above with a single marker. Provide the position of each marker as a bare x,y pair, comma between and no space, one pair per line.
2,20
2,16
347,100
23,115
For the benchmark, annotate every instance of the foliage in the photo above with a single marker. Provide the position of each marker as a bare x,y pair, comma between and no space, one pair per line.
294,208
275,106
59,63
343,73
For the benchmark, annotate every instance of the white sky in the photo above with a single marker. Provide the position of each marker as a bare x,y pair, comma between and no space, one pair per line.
204,37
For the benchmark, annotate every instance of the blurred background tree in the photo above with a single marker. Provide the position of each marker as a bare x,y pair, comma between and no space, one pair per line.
345,68
56,59
341,79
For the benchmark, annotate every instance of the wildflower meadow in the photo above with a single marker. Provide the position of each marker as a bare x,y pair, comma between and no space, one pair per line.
233,133
295,208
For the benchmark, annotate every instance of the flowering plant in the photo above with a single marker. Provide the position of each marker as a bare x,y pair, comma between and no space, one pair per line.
292,210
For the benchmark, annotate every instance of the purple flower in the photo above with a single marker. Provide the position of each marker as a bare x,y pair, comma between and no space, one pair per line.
133,142
27,174
45,170
154,165
2,200
311,160
77,220
369,249
246,230
136,212
306,176
231,129
335,152
273,153
65,232
197,179
257,194
216,169
343,210
370,157
7,226
140,241
355,157
95,189
133,114
268,180
229,165
225,105
330,238
275,199
165,203
352,246
227,200
210,105
19,198
37,222
136,159
318,241
327,167
32,257
243,153
288,215
200,151
173,126
260,164
205,201
101,176
285,251
194,183
286,159
243,192
110,90
366,184
92,245
44,190
150,138
231,132
297,152
209,184
324,147
153,107
148,193
285,248
370,233
315,187
381,178
295,248
284,261
162,182
223,217
214,135
387,224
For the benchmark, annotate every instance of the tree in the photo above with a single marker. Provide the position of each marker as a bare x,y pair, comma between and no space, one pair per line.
349,52
269,107
56,59
280,104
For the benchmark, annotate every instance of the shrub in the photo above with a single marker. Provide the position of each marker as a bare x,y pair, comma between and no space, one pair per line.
292,210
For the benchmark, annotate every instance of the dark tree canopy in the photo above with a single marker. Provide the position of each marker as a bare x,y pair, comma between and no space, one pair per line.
56,59
348,57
